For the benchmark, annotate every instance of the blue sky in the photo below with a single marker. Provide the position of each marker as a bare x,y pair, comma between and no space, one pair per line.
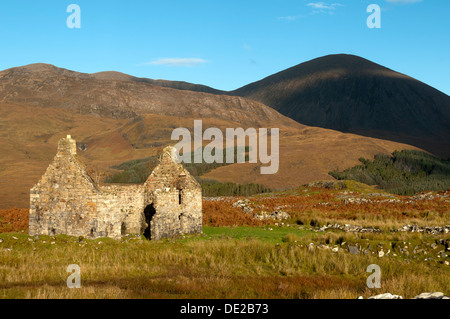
226,44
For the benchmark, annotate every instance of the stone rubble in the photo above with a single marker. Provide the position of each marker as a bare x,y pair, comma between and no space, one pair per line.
277,214
424,229
349,228
243,204
349,199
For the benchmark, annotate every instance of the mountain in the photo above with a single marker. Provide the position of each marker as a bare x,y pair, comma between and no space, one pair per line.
351,94
116,118
179,85
122,97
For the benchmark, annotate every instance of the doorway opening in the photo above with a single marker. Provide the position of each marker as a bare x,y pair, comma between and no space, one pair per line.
149,212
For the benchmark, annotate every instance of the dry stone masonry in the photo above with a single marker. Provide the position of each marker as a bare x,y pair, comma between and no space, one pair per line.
67,201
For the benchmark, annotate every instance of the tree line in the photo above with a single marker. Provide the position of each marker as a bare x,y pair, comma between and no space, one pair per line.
404,172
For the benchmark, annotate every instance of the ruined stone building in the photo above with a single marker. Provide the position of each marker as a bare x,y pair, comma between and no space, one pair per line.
67,201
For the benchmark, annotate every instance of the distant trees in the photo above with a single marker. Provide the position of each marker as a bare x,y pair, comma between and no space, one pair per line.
137,172
133,172
212,188
404,172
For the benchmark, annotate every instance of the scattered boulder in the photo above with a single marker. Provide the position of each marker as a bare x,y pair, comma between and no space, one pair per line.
349,228
424,229
431,295
353,250
430,195
386,296
425,295
275,215
244,204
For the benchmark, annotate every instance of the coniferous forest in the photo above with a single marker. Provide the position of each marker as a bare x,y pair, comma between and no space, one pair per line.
404,172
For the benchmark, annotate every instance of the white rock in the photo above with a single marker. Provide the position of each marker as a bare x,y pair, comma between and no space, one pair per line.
386,296
430,295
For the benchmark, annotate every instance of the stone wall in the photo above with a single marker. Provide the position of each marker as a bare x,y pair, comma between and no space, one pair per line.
67,201
64,201
176,197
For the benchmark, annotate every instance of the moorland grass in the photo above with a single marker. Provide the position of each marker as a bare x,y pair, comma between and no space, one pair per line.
226,262
238,256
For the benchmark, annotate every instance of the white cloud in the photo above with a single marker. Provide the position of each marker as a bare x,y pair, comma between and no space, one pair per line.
403,1
177,62
317,7
291,18
322,7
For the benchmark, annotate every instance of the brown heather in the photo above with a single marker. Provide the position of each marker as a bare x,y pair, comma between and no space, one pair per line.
13,220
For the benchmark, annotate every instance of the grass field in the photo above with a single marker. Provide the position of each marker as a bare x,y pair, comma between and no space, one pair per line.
224,262
238,256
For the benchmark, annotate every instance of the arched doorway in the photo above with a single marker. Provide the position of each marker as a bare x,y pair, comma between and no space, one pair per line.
149,212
